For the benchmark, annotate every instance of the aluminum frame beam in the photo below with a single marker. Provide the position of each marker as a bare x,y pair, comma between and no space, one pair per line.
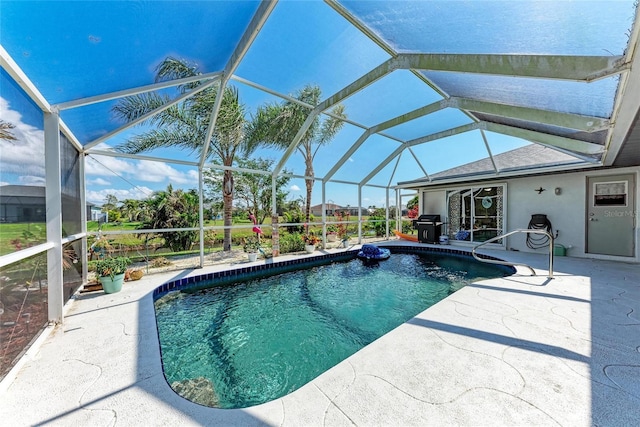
403,118
67,105
364,81
556,67
422,140
546,139
148,115
626,105
253,29
554,118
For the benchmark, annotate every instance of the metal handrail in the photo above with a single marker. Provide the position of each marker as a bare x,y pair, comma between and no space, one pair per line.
520,230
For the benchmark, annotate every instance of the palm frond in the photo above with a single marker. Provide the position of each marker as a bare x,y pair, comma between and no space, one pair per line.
4,131
173,69
162,138
136,106
331,125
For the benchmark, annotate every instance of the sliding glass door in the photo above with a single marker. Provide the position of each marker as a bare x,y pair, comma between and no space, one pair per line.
476,214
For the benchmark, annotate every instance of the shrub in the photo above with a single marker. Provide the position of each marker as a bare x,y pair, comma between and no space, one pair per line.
291,242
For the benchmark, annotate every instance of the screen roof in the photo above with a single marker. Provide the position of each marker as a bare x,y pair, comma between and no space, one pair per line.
427,86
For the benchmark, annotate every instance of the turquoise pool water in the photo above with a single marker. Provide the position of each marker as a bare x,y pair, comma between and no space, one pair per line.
243,344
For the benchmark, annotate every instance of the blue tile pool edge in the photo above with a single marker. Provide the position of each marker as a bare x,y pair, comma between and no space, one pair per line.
194,283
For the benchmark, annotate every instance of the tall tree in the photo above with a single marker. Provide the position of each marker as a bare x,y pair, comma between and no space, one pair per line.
256,190
277,124
185,125
110,202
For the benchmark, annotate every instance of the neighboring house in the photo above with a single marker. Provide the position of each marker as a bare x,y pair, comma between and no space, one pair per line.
592,212
332,209
22,203
26,203
94,213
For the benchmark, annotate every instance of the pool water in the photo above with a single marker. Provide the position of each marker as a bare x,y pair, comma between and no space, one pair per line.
247,343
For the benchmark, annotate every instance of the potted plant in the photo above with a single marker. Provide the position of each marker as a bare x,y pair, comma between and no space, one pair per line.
110,272
332,233
310,242
251,246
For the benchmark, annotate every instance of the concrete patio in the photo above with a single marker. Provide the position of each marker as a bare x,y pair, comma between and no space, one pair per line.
521,350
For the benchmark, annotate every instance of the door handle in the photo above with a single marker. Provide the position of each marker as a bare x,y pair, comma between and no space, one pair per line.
593,219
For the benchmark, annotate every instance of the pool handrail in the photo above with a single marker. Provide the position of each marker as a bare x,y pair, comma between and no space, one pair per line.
520,230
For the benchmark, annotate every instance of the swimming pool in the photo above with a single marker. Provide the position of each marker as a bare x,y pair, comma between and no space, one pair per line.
232,344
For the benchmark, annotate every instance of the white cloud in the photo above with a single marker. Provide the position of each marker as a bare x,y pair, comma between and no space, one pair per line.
138,193
23,157
138,170
98,181
150,171
294,188
107,166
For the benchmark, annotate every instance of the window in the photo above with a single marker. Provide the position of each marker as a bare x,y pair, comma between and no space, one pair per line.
612,193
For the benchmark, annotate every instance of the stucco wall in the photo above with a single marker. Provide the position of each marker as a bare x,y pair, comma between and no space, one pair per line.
566,211
434,202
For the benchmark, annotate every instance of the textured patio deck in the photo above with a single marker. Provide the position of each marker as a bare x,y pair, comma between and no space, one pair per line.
516,351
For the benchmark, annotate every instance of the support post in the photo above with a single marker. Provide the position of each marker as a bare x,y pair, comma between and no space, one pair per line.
201,214
275,234
53,191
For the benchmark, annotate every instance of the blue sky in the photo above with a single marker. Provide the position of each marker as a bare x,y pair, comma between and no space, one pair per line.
72,50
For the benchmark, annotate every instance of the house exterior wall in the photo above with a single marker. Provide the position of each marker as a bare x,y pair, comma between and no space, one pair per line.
566,211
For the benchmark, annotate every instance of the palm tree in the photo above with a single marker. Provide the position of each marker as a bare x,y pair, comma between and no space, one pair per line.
174,209
131,209
185,125
277,124
5,131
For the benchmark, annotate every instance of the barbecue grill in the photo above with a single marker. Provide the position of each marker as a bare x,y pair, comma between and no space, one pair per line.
429,228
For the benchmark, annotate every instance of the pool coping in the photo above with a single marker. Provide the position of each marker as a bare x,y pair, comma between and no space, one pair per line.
519,350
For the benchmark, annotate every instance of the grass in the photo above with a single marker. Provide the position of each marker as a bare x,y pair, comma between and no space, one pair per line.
12,231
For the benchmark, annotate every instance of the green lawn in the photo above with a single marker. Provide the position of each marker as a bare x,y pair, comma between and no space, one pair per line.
29,233
34,233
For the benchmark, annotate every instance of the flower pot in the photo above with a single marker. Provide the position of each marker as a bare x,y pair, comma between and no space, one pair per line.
252,256
309,248
111,286
332,237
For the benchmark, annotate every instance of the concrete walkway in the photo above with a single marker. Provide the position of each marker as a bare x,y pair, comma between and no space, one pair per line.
516,351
